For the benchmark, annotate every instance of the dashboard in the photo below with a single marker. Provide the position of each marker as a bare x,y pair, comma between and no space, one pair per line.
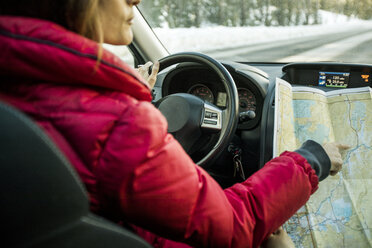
328,76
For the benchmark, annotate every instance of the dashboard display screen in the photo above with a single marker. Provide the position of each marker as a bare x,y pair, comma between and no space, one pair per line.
334,79
221,99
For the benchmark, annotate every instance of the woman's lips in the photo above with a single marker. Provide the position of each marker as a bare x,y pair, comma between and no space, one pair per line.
130,20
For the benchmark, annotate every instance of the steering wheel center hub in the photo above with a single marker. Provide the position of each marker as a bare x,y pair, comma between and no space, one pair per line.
184,114
182,111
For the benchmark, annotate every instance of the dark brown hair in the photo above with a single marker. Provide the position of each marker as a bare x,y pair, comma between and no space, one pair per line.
80,16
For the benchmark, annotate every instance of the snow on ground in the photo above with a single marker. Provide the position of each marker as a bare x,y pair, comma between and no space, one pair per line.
219,37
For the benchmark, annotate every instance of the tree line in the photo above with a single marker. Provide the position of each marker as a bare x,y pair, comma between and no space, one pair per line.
195,13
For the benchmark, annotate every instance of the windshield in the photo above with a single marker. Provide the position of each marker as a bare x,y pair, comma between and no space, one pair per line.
267,30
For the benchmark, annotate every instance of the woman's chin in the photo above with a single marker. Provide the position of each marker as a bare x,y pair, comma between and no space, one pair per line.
124,39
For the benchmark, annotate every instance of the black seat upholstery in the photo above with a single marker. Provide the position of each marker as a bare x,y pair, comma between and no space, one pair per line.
42,201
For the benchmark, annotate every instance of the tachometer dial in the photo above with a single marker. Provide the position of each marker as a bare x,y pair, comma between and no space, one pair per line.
247,101
203,92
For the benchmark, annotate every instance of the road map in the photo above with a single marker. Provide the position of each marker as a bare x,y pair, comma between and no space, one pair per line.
339,214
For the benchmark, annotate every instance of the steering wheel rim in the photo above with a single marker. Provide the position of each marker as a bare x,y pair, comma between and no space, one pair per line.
230,114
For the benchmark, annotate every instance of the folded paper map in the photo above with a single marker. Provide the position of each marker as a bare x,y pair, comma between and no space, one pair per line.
339,214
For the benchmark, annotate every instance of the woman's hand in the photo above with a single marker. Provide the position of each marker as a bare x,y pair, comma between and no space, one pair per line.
144,72
279,239
333,152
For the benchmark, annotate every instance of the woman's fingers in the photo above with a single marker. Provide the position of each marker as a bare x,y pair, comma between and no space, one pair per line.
144,72
143,69
342,146
155,69
336,166
278,239
154,74
333,152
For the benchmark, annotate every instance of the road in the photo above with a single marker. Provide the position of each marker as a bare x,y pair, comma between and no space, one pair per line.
352,46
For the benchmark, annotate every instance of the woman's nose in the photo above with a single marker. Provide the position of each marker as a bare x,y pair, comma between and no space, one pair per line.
133,2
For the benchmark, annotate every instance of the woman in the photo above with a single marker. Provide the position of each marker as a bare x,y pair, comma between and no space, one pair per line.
98,111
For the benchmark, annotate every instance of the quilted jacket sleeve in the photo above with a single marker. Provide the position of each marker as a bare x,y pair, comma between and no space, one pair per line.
160,188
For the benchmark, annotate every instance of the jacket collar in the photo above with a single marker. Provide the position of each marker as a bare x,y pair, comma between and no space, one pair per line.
41,50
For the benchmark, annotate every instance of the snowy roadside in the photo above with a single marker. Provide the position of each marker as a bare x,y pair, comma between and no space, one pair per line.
212,38
217,37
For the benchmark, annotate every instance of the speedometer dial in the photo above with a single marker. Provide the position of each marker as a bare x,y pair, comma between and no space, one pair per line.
203,92
247,101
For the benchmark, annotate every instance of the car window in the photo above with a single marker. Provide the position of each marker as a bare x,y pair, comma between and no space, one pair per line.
265,31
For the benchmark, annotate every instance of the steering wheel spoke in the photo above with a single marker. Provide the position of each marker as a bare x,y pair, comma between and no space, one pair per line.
212,118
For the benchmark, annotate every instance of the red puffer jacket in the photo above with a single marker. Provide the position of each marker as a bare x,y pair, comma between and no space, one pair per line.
134,170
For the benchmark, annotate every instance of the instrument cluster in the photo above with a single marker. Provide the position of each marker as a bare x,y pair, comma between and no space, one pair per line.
247,100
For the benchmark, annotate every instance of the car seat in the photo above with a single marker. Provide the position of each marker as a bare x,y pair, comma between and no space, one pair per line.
43,203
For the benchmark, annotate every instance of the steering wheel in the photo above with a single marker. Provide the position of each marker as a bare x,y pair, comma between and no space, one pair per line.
189,116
